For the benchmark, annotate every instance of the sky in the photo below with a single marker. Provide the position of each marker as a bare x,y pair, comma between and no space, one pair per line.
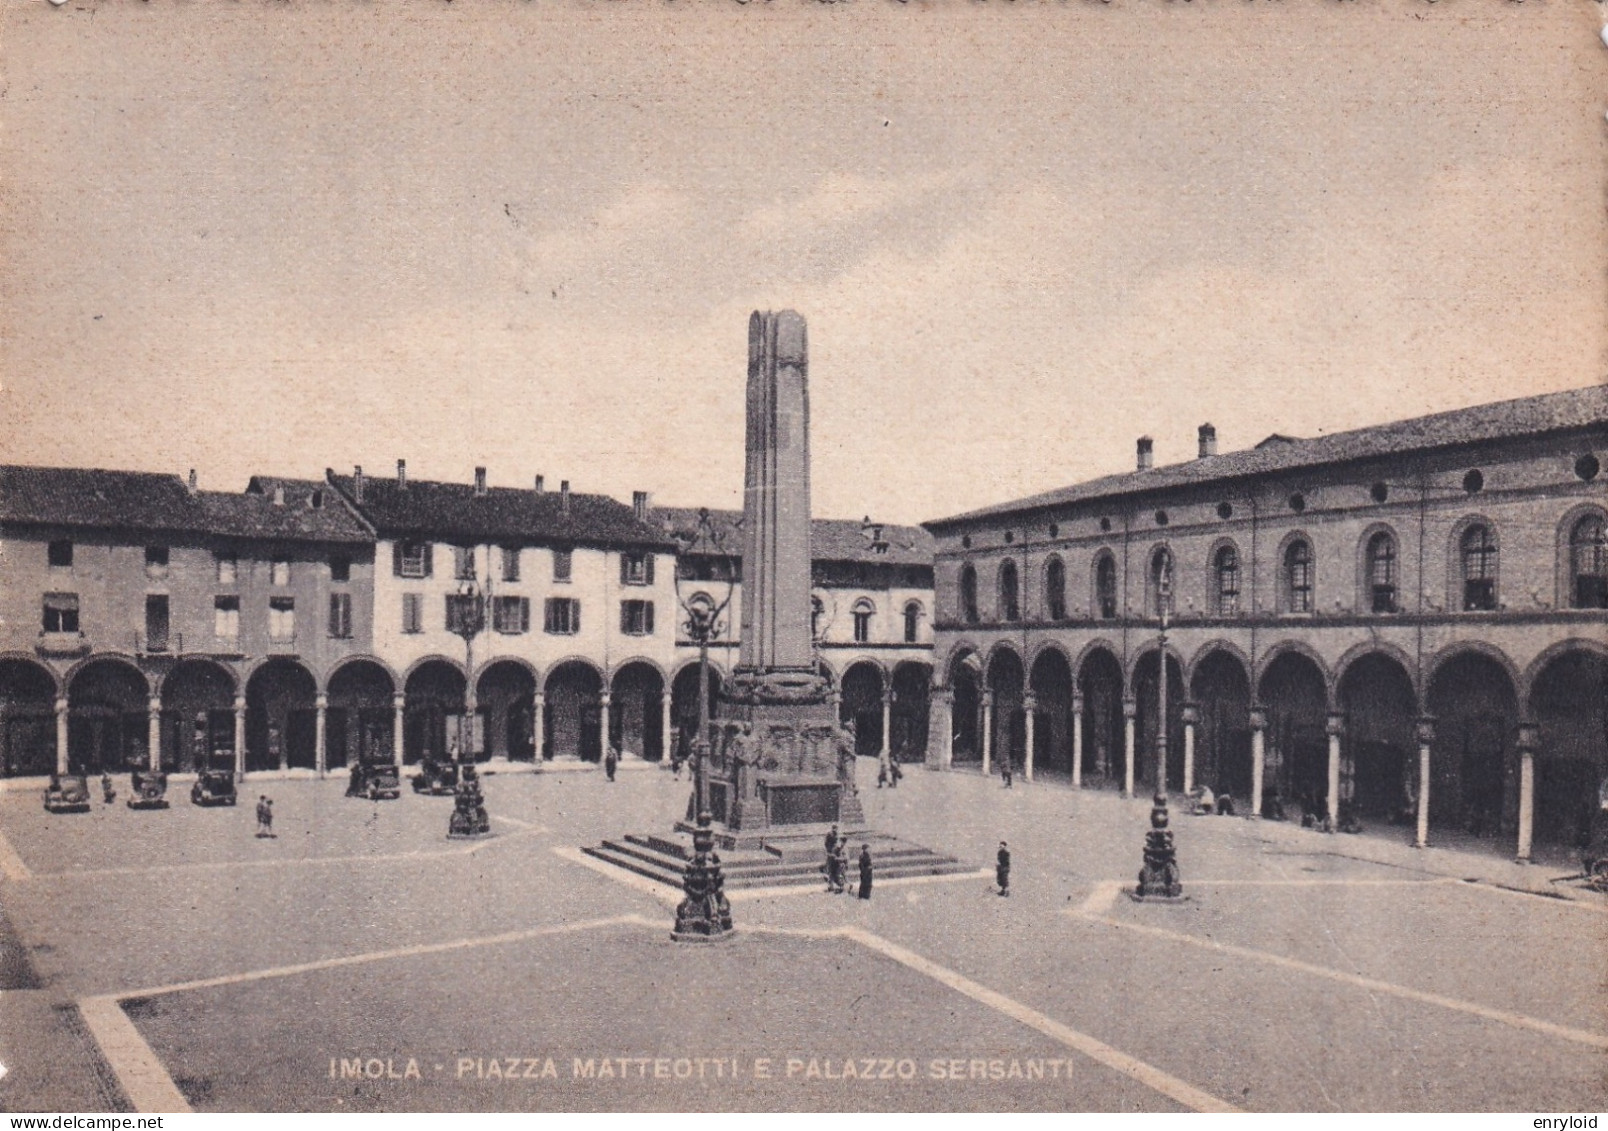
526,234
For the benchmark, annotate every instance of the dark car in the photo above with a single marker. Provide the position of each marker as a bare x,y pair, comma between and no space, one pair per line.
436,778
376,781
214,787
67,794
150,790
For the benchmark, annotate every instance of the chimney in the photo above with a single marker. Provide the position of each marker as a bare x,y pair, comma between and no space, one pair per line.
357,483
1147,456
279,494
480,481
563,495
192,484
541,484
402,473
639,504
1208,441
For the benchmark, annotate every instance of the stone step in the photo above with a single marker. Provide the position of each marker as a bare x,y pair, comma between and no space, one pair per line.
665,861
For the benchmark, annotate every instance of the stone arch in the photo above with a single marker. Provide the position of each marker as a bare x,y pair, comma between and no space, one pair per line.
505,704
1100,644
1296,694
1102,681
1144,679
362,658
909,715
964,678
1148,645
123,658
999,649
1050,678
28,694
432,658
1219,645
197,723
637,690
860,702
281,715
1490,651
1473,695
684,704
361,720
1379,699
1007,682
1220,685
108,699
573,717
531,669
435,692
1376,647
1298,647
1568,699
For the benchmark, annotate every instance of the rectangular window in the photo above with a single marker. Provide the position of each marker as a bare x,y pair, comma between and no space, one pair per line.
413,612
156,622
61,612
510,563
463,563
60,554
340,615
226,617
636,569
340,568
156,561
412,559
862,626
636,618
279,572
464,614
281,618
228,568
563,616
510,614
563,561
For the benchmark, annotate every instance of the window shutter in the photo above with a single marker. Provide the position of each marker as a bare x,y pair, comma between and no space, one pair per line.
427,549
625,617
575,615
524,614
647,575
396,558
647,616
625,569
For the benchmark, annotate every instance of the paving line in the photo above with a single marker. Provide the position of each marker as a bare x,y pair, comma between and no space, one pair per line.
1100,899
1152,1077
1518,1020
139,1073
11,865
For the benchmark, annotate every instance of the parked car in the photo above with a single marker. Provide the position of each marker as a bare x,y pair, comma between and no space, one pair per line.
214,787
68,793
149,791
436,778
376,781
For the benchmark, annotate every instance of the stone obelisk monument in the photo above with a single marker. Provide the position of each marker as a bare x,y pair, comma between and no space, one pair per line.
780,755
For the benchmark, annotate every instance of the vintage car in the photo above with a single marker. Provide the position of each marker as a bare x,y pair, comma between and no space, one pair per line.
149,790
214,787
376,781
436,778
68,793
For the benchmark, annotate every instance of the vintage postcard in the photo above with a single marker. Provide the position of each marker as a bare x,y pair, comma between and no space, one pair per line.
775,556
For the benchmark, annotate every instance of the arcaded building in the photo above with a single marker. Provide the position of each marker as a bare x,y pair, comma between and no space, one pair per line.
1409,620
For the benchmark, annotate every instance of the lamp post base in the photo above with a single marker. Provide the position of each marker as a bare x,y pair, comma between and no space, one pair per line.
1159,878
704,915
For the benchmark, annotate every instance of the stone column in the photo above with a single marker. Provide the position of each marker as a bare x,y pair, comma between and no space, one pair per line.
1077,742
61,735
1426,737
240,738
664,727
941,726
153,735
1529,739
320,754
603,701
1130,708
399,703
539,705
887,723
1191,718
1258,757
1332,728
1029,707
988,729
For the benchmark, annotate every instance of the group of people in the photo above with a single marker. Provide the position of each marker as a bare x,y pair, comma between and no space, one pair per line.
837,865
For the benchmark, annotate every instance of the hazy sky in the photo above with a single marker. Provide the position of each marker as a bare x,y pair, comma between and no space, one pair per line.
275,237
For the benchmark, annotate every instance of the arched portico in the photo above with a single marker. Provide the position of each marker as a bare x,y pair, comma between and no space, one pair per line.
1051,684
28,693
1381,711
1569,703
1473,784
198,730
1294,692
863,686
1147,702
281,716
1220,685
505,699
1006,685
1101,682
109,713
684,705
362,714
910,711
636,710
966,709
433,711
573,718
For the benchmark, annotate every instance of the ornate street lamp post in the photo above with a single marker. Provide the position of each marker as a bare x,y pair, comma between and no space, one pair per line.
1159,879
704,915
471,622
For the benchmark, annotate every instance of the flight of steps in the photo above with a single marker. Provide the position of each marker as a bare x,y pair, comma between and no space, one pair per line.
783,863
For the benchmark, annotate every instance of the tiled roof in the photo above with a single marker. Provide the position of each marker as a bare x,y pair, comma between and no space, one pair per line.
152,502
831,539
1552,412
453,511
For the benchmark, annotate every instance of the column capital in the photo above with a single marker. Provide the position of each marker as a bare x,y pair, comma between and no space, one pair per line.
606,698
61,704
945,695
1425,729
154,704
539,698
321,701
1335,724
988,699
239,703
1029,701
398,700
1191,714
1130,707
1258,718
1077,702
887,694
1529,739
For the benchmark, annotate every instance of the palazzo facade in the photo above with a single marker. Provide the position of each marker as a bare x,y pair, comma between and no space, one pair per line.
1409,620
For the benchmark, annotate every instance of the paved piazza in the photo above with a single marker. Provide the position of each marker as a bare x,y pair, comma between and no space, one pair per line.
361,961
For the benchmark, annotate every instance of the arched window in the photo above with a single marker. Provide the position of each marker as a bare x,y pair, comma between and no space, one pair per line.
968,594
1298,577
1161,581
1227,569
1478,548
1588,563
912,621
1055,589
1010,607
1382,572
863,611
1105,586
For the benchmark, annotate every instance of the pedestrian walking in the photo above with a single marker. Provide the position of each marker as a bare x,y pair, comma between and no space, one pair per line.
840,864
895,773
611,762
1005,770
265,817
833,867
1002,869
865,871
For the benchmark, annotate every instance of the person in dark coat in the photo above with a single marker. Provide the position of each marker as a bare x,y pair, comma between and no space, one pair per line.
840,861
865,871
1002,869
611,762
108,790
265,817
1005,770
